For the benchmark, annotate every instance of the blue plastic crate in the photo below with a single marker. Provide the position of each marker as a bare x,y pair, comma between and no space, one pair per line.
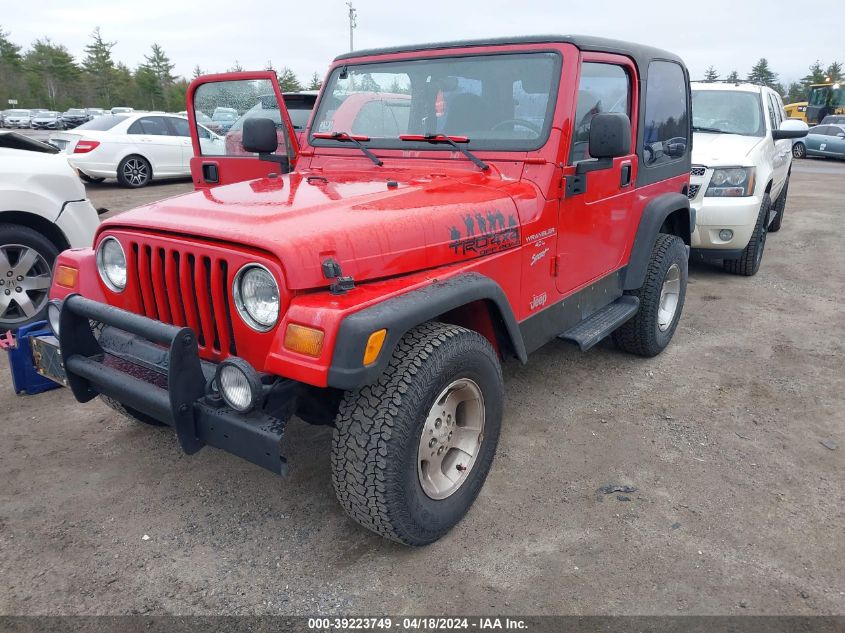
25,379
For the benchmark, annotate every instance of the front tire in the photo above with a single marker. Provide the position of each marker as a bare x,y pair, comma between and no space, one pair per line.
134,171
26,271
661,297
411,451
749,262
128,412
779,207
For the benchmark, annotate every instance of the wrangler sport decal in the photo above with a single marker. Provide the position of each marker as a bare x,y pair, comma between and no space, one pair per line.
485,233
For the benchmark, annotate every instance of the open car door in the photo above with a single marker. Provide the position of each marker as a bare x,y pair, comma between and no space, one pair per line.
218,105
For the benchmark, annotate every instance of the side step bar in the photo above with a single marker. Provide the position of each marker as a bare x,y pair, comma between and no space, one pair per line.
598,325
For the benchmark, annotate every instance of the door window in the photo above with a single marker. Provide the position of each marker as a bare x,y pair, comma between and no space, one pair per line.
222,107
666,117
602,88
150,126
180,126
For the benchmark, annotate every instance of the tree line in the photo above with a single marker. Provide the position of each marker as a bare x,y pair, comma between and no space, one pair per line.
762,73
47,75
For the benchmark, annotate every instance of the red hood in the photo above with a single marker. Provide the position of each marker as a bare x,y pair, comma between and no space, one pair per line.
371,229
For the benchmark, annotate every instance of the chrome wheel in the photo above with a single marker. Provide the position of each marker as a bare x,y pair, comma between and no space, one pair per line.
451,439
24,283
136,172
670,293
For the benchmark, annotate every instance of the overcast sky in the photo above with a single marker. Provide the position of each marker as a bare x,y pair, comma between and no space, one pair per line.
306,35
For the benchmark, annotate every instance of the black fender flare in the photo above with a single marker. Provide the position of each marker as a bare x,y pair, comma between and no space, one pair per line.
653,217
405,312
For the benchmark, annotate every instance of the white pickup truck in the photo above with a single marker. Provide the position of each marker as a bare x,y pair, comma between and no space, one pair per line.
741,162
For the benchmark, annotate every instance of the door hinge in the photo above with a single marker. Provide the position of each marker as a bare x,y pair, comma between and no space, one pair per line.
575,184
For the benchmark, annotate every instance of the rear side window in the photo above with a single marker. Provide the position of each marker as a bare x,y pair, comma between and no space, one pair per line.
666,116
150,125
180,126
602,88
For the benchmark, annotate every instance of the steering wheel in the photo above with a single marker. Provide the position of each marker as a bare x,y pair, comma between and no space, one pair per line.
521,122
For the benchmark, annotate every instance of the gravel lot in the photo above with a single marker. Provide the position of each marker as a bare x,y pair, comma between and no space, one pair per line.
738,510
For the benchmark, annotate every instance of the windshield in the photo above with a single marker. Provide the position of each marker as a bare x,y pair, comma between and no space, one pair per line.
827,96
299,116
19,112
76,111
105,122
500,101
728,111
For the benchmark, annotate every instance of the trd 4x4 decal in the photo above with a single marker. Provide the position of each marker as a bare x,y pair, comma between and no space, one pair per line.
485,233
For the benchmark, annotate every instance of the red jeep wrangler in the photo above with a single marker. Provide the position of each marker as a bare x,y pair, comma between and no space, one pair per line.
480,199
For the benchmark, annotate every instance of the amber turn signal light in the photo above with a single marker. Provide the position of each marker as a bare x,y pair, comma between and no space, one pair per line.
305,340
66,276
374,345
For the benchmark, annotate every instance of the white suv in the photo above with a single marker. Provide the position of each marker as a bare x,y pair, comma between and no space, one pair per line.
741,161
43,210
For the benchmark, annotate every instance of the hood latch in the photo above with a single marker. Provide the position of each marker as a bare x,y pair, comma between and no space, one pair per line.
341,284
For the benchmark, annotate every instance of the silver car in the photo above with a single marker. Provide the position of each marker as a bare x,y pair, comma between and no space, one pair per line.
17,119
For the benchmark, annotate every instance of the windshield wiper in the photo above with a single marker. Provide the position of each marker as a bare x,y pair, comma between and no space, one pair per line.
448,140
715,130
347,137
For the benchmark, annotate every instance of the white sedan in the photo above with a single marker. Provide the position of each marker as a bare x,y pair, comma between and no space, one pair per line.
134,148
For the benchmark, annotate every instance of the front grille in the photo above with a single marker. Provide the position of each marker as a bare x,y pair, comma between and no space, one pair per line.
693,191
697,170
183,288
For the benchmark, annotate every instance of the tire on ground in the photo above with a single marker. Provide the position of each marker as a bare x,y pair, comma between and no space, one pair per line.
779,207
642,334
25,236
124,180
748,263
132,414
378,427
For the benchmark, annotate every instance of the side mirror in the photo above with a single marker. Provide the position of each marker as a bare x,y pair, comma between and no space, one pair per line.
259,136
791,128
610,135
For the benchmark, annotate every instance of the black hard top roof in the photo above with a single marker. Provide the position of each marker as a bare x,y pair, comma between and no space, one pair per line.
640,53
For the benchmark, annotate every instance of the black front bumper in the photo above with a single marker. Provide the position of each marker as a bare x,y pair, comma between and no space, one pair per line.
155,369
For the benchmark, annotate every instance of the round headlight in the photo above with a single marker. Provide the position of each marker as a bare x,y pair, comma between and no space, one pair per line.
256,296
111,264
238,383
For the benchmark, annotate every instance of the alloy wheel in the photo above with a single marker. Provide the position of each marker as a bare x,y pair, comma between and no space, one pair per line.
670,294
24,283
136,172
451,439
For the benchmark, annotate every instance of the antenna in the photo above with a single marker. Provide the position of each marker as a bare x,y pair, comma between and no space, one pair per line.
353,22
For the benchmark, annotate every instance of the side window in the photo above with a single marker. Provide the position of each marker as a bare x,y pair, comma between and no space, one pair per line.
180,126
602,88
773,119
222,107
150,126
666,116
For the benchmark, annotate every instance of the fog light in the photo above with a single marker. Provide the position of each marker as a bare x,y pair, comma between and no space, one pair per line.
726,235
239,384
54,311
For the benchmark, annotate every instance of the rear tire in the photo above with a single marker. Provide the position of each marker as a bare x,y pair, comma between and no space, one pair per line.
441,390
779,207
132,414
799,150
134,171
749,262
661,297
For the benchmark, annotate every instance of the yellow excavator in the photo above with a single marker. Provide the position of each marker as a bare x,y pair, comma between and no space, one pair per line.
822,99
